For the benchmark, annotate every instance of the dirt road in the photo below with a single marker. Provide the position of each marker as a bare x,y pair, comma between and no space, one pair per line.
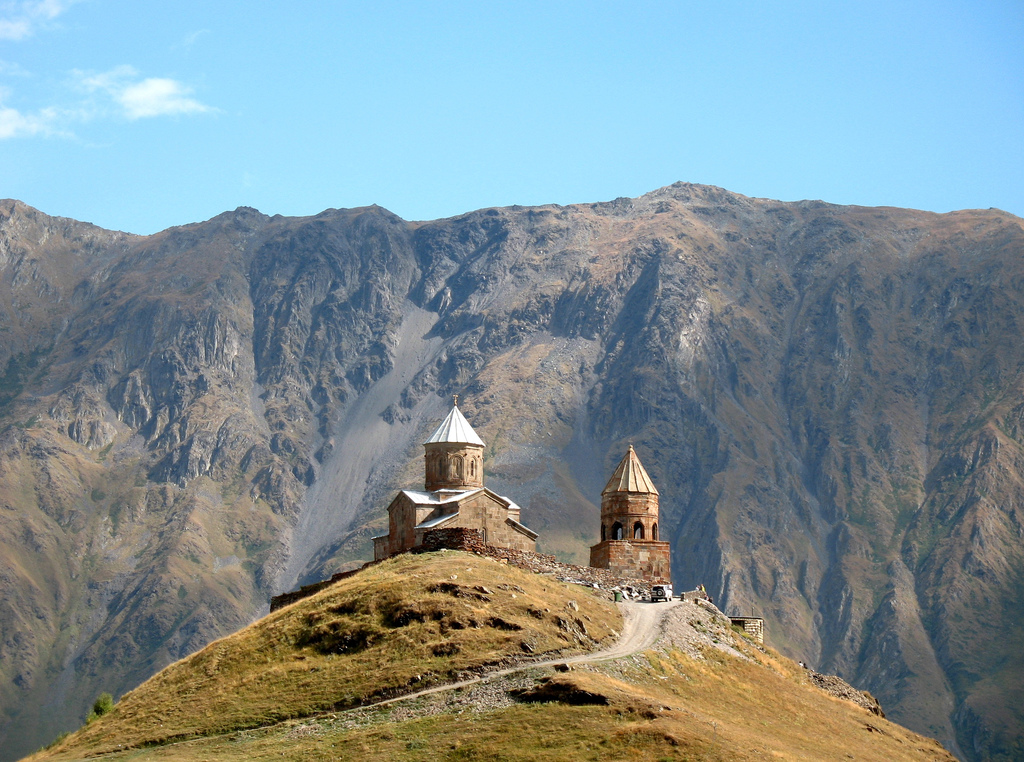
640,630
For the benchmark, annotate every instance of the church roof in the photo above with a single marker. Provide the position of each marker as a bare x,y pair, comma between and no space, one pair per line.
441,496
455,429
630,476
437,521
522,528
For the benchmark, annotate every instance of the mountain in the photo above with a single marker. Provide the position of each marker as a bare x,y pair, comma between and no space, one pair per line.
828,399
296,684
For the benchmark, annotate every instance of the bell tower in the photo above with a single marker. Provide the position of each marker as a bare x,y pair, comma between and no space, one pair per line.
630,536
454,455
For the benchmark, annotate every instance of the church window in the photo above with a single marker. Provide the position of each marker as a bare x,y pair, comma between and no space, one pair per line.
457,470
638,531
604,532
654,532
617,531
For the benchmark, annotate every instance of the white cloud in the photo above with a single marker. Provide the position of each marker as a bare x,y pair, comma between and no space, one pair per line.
142,98
159,97
18,124
14,124
110,82
14,29
20,18
118,92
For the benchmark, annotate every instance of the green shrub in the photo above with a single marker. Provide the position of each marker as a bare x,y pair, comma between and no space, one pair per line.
103,704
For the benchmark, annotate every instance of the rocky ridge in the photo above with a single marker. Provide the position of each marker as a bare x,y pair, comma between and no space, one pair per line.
827,398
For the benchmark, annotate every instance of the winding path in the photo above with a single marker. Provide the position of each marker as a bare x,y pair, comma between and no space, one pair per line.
640,630
641,627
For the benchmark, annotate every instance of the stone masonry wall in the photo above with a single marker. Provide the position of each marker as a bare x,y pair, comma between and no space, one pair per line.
627,558
452,538
284,599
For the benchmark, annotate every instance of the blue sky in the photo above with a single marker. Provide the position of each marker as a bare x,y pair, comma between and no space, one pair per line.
139,116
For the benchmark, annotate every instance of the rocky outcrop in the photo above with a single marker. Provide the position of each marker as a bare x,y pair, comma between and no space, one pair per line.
839,688
196,420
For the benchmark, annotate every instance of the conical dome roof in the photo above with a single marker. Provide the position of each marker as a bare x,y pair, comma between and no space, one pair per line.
455,429
630,476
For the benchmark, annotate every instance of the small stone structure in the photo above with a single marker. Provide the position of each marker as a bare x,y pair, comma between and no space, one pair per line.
630,544
454,496
752,625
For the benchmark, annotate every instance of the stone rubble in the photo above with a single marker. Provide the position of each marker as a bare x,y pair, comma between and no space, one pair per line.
839,688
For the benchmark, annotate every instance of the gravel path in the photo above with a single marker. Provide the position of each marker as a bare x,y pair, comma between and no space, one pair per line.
640,630
669,625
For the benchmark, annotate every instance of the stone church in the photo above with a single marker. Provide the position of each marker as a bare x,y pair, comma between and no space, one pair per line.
630,544
454,495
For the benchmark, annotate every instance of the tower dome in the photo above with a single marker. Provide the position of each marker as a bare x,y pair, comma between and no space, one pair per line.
454,455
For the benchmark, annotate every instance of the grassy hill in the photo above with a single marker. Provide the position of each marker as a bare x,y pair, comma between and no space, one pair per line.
295,684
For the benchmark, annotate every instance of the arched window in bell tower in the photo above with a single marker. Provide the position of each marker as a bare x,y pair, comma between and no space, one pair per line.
638,531
604,532
617,531
654,532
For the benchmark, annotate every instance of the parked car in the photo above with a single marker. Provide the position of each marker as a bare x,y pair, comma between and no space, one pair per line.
661,593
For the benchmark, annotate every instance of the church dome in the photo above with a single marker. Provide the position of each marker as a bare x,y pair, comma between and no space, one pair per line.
455,429
630,476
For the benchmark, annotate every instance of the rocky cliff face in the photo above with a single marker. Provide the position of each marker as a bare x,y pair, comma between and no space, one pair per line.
828,399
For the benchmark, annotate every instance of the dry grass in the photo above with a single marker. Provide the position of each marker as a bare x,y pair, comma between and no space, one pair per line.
393,628
660,706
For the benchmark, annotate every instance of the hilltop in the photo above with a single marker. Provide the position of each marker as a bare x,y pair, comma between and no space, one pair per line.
828,398
288,684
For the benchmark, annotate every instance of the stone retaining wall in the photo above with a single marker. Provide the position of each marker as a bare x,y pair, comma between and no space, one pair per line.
284,599
452,538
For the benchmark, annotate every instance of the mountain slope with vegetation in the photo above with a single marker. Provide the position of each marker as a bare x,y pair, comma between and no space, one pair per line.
827,397
285,686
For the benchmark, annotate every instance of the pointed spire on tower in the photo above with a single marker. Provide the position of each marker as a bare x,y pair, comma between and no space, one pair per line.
630,476
455,429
